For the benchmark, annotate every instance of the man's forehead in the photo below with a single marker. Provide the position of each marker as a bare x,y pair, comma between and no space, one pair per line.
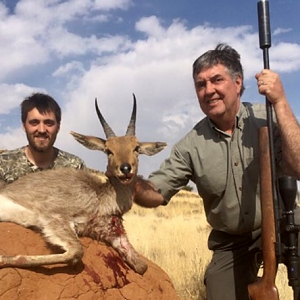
35,114
212,71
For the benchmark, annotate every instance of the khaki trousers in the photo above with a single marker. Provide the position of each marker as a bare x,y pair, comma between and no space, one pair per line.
235,264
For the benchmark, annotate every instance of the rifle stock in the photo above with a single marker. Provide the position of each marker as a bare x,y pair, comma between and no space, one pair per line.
265,288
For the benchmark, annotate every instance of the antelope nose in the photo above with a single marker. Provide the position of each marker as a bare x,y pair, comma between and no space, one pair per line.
125,168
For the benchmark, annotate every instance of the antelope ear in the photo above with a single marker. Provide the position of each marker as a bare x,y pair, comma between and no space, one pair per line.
150,149
90,142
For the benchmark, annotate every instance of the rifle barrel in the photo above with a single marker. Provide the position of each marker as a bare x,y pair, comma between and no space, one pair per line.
265,44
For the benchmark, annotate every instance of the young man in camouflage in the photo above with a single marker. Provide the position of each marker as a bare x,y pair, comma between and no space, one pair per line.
41,117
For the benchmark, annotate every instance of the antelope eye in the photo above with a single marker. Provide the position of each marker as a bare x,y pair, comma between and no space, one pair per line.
137,149
108,152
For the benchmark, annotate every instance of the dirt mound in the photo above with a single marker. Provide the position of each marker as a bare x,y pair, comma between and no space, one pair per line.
101,275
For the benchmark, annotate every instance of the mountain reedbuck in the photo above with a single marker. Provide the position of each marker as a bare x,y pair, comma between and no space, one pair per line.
66,203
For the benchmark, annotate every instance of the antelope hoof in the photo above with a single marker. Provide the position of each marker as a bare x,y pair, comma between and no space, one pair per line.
140,267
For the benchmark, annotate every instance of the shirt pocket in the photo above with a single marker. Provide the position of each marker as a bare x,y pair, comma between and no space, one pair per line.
211,178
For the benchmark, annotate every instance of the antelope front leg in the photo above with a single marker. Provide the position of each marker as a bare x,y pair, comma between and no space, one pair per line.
118,239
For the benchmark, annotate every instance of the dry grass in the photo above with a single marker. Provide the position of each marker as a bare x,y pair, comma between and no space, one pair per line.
175,238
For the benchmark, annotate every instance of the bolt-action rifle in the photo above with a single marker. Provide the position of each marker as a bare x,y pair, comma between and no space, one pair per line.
279,231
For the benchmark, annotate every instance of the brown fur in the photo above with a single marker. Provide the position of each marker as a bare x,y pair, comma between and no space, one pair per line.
66,203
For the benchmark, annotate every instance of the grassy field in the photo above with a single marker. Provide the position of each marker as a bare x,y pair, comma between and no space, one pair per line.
175,238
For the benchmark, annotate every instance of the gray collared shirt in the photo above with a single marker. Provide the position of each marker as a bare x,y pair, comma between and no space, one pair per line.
225,169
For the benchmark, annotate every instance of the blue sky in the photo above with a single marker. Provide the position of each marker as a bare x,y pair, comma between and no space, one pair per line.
81,49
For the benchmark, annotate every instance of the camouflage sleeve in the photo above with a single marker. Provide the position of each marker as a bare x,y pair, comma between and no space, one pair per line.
13,165
1,167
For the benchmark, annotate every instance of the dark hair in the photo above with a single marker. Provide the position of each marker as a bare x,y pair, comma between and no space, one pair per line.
43,103
222,54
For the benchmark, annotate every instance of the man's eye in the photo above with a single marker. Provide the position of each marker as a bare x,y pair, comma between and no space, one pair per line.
34,123
200,85
219,80
49,123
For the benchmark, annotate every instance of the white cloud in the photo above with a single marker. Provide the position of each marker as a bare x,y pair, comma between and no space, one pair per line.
63,11
112,4
286,57
150,26
157,68
3,10
279,31
42,30
73,66
11,95
13,137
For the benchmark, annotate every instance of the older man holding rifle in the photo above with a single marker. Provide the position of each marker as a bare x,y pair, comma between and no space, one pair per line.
221,156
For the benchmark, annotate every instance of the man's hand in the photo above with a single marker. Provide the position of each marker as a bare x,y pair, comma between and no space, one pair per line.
146,195
269,84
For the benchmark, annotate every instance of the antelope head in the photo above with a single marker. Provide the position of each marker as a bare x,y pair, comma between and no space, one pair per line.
122,151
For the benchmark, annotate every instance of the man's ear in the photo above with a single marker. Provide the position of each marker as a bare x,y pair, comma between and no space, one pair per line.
239,83
23,126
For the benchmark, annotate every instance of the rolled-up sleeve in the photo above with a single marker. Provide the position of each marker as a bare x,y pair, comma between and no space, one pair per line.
173,174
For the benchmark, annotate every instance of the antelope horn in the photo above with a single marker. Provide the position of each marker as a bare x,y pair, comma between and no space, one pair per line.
131,126
107,130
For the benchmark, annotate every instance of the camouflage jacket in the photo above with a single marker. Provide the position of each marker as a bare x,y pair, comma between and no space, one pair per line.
14,163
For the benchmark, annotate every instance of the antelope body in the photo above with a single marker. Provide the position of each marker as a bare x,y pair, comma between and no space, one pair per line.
66,203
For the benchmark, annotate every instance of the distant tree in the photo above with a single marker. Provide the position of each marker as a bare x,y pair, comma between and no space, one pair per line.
188,188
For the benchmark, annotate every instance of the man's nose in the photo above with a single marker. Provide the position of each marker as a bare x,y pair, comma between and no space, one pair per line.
42,127
209,87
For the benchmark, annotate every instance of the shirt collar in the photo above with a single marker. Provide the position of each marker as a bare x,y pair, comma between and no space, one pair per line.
239,123
34,167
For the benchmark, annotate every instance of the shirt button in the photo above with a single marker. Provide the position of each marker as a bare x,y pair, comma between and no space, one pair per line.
240,188
236,163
